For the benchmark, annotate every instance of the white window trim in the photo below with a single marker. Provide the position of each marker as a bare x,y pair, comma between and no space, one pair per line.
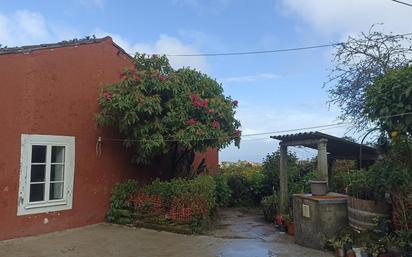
23,205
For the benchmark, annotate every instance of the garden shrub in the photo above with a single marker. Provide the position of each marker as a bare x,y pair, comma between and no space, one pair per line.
239,187
178,202
250,183
204,187
223,192
247,183
119,201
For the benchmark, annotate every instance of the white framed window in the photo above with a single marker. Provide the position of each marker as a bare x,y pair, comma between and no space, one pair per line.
46,173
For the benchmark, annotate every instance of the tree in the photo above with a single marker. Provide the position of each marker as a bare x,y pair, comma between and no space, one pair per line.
162,111
358,62
389,98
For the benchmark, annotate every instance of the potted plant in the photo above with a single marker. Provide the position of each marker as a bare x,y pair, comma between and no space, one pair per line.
318,186
350,253
290,224
338,246
270,206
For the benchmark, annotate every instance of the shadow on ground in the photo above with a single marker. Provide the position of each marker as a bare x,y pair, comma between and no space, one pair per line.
238,233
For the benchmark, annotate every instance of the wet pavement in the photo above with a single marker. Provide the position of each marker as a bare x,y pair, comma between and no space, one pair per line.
238,233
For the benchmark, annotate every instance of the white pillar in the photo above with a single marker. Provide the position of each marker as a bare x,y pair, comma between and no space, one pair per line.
283,177
323,159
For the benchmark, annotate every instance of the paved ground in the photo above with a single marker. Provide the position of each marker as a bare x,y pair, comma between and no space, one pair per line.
238,234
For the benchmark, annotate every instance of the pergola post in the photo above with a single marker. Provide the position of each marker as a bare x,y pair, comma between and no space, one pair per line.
323,159
283,176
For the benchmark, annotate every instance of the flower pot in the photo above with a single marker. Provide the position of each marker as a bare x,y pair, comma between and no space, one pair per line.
350,253
358,252
339,252
291,228
318,187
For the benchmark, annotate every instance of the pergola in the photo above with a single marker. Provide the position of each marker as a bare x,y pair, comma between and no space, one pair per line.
330,148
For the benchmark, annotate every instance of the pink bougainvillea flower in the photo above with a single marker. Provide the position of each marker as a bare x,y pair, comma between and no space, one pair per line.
191,122
122,75
107,95
235,103
237,133
162,78
137,78
215,124
196,103
204,103
194,97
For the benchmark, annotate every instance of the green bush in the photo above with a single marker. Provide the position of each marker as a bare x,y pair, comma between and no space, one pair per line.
258,188
271,199
202,187
178,202
119,201
158,187
365,184
301,184
238,184
205,188
223,192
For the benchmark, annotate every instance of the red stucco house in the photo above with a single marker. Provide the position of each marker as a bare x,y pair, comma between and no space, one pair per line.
50,175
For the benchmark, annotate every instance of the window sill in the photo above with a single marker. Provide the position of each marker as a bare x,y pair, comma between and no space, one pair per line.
43,208
45,205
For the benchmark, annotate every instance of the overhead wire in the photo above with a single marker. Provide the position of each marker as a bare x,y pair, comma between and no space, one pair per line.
320,127
294,49
401,2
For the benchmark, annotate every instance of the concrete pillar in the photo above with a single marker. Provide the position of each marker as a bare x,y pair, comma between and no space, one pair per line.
283,176
323,159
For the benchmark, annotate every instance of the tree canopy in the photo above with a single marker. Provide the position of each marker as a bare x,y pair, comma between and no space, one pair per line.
160,110
358,62
389,101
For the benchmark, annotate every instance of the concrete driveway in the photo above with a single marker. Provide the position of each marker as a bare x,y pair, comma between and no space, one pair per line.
238,233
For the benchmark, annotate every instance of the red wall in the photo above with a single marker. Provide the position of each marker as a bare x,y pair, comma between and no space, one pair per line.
54,92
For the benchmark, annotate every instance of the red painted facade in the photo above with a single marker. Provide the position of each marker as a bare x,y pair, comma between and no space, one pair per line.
54,91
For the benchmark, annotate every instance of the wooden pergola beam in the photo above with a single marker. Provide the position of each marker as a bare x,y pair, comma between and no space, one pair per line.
302,142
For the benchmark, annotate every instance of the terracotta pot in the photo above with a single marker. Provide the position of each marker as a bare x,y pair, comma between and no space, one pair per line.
339,252
350,253
291,228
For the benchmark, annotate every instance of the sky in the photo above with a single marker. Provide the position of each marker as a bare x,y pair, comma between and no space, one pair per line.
276,92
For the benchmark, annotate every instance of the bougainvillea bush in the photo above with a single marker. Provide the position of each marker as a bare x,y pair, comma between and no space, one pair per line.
160,110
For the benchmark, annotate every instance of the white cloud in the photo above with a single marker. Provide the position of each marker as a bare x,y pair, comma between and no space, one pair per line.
164,45
250,78
350,16
24,27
